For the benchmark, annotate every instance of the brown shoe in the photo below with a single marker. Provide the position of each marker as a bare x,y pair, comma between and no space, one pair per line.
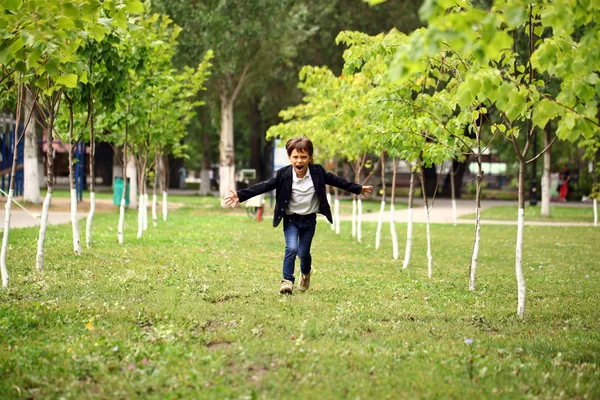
286,287
304,282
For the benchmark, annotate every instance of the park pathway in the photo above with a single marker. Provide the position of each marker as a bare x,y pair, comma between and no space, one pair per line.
441,213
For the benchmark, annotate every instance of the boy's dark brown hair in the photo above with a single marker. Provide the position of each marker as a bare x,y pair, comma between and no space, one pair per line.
301,145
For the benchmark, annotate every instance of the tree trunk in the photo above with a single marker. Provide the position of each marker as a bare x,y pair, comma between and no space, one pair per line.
205,184
90,217
475,254
519,247
411,196
39,258
454,184
382,208
72,188
546,174
256,142
426,206
11,190
395,251
31,187
120,227
226,149
164,160
154,186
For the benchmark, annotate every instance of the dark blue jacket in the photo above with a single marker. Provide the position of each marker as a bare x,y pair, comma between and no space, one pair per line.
282,184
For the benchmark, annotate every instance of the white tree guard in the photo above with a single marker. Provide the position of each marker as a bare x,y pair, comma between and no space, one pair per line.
6,232
353,217
75,223
121,221
145,212
379,225
475,255
140,217
89,220
227,182
395,252
329,200
519,264
39,257
595,212
154,214
409,228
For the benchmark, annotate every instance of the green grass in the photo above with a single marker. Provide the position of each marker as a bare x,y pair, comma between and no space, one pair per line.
192,310
557,214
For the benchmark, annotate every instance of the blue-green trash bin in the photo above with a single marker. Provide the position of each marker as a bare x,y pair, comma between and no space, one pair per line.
118,192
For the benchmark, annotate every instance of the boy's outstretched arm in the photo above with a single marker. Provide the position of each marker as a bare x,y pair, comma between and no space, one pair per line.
232,200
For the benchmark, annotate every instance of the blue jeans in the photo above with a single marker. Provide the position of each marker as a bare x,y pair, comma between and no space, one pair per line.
298,231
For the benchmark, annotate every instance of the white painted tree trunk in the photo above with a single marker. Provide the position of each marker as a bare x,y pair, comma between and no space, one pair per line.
395,252
204,182
226,165
145,212
409,227
140,216
31,181
88,222
121,221
595,212
5,233
475,255
519,264
133,182
165,209
454,211
429,257
39,257
359,221
379,224
336,212
329,200
75,223
354,217
154,214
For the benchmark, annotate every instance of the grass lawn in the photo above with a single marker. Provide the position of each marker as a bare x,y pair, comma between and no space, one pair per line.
557,214
192,310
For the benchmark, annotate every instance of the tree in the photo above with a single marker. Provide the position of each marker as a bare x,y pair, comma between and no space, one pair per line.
507,80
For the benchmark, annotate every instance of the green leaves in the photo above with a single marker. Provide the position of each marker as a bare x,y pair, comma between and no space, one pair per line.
69,80
12,5
134,6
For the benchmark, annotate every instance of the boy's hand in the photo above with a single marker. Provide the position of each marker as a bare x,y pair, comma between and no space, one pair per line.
232,200
366,190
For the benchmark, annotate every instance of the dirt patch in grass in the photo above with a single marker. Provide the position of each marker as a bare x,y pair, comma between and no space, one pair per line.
218,344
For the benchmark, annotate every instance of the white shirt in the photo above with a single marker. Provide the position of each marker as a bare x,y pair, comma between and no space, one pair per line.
304,200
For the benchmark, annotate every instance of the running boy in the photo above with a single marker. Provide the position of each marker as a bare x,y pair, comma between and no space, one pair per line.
300,195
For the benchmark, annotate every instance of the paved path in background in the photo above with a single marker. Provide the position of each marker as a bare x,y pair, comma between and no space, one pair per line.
441,213
21,219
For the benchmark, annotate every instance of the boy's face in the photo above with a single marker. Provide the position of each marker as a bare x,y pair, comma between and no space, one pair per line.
299,162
